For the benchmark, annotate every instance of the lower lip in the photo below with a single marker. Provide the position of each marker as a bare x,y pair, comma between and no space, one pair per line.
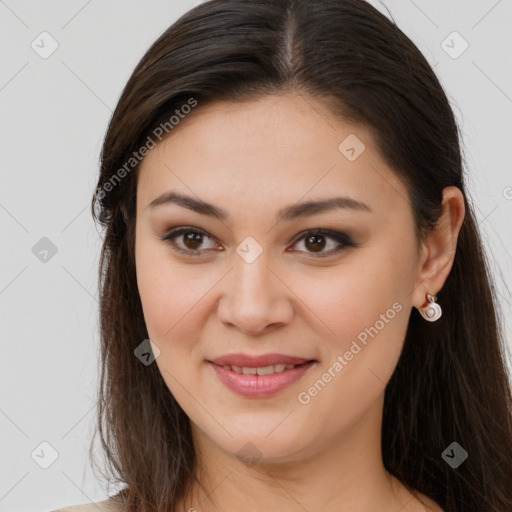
259,386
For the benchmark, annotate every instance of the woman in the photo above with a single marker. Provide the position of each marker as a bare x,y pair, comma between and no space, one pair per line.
296,310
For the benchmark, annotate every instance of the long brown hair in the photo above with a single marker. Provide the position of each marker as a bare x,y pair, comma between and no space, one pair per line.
450,383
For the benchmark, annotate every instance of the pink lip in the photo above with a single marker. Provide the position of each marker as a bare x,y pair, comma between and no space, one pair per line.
259,386
257,361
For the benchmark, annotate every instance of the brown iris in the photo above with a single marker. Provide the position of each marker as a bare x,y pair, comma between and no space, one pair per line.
315,245
193,240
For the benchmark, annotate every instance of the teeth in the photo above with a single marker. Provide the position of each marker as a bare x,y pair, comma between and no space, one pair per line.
264,370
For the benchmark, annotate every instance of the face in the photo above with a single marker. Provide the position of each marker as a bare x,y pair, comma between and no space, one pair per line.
332,286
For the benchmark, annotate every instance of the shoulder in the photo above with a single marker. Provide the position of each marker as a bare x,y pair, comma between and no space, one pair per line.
99,506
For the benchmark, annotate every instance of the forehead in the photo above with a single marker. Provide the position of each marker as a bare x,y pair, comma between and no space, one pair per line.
267,152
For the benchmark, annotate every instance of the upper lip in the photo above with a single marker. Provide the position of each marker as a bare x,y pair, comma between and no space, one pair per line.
263,360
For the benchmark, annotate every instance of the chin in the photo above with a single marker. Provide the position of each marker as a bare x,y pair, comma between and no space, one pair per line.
259,447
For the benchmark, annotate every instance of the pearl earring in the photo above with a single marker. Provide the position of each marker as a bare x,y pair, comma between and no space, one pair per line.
433,311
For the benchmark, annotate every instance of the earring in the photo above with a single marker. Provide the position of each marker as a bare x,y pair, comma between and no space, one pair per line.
433,311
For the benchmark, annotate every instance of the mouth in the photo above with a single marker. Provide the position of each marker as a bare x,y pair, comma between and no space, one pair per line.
262,370
260,381
241,360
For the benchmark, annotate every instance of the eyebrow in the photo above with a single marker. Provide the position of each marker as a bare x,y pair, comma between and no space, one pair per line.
289,213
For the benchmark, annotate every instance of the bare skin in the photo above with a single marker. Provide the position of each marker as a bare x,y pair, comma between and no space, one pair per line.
321,453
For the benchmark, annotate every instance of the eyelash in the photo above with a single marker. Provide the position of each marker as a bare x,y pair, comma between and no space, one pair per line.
339,237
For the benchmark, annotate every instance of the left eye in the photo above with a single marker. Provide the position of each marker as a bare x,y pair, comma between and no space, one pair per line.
314,240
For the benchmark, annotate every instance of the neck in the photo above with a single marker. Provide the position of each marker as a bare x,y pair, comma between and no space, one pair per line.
346,475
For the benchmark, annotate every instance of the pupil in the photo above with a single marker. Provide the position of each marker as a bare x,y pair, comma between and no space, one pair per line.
317,247
193,238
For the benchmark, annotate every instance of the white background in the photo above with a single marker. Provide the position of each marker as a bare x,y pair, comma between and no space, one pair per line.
54,113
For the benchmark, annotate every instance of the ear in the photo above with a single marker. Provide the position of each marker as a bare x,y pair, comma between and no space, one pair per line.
438,249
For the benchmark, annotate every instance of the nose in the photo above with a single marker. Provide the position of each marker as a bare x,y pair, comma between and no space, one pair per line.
255,300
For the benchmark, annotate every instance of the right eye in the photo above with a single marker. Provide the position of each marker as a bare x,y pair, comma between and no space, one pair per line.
190,243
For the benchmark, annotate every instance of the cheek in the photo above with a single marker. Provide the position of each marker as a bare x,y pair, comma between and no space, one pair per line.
352,297
362,309
368,314
171,300
167,292
171,303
